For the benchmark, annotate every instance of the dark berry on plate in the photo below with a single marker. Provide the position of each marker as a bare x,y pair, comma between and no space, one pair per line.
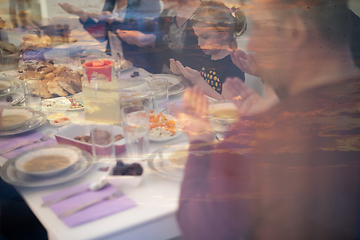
134,169
9,98
119,163
135,74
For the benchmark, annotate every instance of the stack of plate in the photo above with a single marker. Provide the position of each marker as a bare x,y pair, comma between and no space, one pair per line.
175,84
8,88
20,119
33,168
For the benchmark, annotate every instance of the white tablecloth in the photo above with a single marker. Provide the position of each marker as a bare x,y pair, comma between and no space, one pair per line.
152,218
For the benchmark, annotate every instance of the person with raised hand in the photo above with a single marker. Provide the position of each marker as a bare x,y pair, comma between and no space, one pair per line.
175,38
217,28
247,101
135,15
292,172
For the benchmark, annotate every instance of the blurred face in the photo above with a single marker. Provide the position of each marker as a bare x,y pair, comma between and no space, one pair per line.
210,40
269,45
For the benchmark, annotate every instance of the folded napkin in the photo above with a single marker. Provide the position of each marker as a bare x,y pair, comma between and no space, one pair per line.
25,140
94,212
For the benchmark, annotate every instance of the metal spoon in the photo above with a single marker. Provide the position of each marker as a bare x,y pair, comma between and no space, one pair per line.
97,185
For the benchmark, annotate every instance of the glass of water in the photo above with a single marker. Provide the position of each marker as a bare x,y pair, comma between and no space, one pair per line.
32,93
160,88
135,118
102,139
32,85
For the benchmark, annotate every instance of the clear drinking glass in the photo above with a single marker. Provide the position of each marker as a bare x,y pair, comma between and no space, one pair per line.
32,93
32,85
102,139
222,114
116,52
160,88
136,122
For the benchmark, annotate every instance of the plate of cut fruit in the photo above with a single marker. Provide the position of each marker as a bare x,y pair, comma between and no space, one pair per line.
75,104
163,127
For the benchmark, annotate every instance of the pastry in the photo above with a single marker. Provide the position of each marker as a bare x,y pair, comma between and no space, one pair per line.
55,88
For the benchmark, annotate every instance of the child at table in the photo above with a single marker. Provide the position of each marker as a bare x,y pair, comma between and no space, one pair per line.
216,27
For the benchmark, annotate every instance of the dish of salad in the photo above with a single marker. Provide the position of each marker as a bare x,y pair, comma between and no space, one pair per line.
75,104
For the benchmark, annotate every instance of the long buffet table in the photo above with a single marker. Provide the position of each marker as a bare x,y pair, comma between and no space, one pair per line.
153,217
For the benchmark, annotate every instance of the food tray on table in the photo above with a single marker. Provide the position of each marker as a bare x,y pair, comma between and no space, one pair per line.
67,135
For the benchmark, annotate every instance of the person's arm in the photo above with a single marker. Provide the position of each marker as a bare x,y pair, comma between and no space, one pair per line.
213,196
95,29
137,38
245,62
196,78
73,10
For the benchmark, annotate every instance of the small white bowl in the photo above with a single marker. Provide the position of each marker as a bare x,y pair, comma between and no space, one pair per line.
125,180
72,153
55,105
16,124
55,124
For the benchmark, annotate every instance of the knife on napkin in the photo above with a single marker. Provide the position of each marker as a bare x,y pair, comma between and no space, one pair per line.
88,204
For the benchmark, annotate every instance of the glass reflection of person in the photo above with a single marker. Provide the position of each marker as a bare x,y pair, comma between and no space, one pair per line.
17,11
175,38
292,172
217,28
120,14
251,102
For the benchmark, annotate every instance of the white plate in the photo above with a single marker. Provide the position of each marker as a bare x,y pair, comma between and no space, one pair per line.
14,86
38,119
177,128
172,79
17,97
178,88
161,164
27,113
4,85
10,175
126,65
60,104
72,153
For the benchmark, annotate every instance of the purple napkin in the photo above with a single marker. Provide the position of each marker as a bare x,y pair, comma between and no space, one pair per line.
94,212
23,139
